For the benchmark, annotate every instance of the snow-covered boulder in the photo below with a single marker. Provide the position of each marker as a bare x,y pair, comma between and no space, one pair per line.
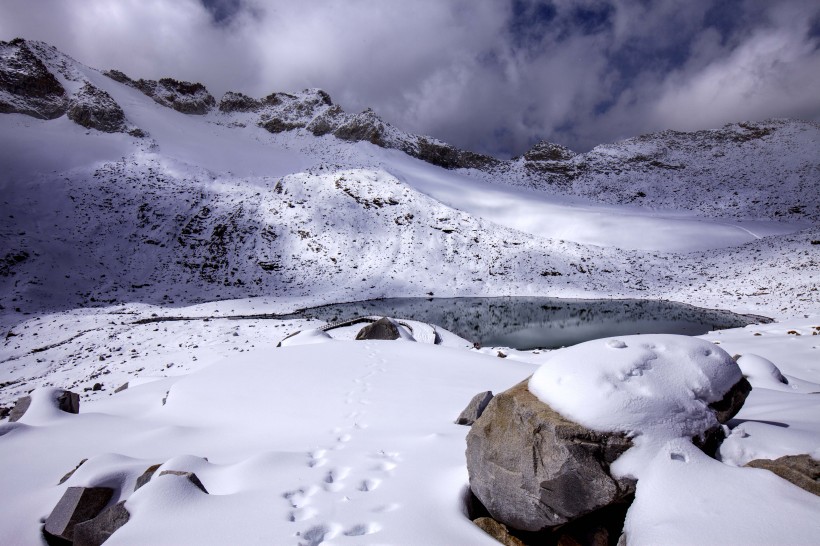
533,469
572,439
26,85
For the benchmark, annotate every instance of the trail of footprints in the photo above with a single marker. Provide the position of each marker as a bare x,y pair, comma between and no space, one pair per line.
341,483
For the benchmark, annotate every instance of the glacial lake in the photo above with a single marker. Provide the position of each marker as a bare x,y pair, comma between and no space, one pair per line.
527,323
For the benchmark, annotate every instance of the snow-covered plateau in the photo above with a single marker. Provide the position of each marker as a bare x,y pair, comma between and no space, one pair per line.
152,235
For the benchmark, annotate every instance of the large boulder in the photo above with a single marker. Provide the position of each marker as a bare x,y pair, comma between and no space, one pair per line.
78,504
801,470
384,328
534,470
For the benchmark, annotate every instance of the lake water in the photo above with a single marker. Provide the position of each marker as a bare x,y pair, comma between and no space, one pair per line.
531,323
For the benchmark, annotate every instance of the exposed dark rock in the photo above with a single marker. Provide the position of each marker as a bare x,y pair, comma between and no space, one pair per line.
732,401
366,126
26,85
801,470
533,469
71,472
122,387
19,409
93,108
475,408
10,260
238,102
450,157
182,96
97,387
118,76
68,402
278,125
384,328
548,151
96,531
78,504
498,531
327,121
146,476
190,476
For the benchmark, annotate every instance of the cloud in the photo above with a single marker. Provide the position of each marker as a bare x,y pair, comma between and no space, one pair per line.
492,76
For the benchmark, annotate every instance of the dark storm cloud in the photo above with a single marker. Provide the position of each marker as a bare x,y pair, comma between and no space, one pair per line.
493,76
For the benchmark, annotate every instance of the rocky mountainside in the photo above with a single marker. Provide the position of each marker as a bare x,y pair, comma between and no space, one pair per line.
768,169
118,190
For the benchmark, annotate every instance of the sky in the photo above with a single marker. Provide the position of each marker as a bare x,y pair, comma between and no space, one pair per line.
493,76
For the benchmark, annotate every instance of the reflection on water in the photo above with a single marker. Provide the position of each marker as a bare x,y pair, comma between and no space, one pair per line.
528,323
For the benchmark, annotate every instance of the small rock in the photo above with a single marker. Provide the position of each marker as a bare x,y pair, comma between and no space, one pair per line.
96,531
384,328
498,531
475,408
97,387
71,472
121,387
78,504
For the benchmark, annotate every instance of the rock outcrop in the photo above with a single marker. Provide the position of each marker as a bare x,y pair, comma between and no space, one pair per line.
93,108
185,97
26,85
534,470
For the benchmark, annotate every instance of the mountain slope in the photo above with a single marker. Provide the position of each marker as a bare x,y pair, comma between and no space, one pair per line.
185,201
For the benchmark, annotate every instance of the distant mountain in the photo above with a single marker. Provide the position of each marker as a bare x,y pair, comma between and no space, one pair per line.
768,169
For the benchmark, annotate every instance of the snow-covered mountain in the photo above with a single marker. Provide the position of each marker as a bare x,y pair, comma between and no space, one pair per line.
154,236
154,191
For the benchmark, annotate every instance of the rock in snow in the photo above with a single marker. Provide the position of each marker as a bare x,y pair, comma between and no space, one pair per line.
384,329
78,504
533,469
801,470
544,452
62,400
97,530
475,408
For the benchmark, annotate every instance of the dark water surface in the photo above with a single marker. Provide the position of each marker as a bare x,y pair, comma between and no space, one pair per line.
529,323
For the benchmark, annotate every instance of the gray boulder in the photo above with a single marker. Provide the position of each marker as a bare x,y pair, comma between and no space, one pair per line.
78,504
384,328
19,409
96,531
534,470
146,476
475,408
801,470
